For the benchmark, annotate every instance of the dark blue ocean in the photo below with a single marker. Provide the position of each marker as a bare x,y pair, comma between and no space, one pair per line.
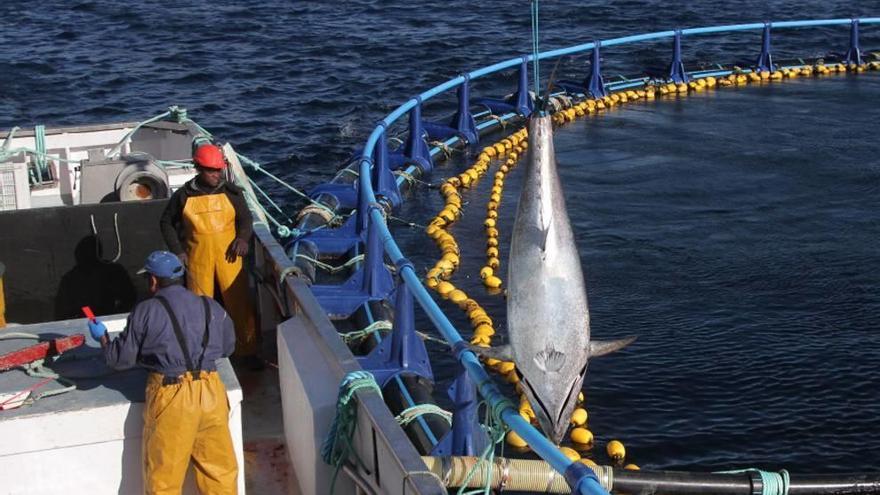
735,232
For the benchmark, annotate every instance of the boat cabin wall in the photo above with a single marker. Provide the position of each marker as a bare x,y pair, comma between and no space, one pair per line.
62,258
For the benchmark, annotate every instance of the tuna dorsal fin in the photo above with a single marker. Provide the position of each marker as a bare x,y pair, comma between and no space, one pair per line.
602,347
501,353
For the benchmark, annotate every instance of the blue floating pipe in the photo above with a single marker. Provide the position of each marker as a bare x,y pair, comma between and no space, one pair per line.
467,437
463,121
416,148
595,85
377,283
362,212
524,103
404,352
676,68
384,182
854,54
765,60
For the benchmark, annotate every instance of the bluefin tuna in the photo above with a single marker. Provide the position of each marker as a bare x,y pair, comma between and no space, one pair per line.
548,320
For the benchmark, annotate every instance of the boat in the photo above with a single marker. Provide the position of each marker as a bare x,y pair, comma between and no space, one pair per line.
355,387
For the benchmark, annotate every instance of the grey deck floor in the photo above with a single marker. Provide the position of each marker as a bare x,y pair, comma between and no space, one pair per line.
267,468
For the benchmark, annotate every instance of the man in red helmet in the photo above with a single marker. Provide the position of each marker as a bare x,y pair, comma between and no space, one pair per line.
208,225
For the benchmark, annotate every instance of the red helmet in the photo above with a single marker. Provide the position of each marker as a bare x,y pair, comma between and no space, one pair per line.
209,156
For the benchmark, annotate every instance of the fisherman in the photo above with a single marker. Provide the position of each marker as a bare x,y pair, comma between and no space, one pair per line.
178,336
207,224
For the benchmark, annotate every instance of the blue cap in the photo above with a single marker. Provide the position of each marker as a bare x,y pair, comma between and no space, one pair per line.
162,264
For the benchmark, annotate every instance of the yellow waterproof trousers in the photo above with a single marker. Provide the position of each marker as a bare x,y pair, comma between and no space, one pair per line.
209,227
183,421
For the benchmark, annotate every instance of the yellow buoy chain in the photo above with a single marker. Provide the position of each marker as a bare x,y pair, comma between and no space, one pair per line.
509,149
507,152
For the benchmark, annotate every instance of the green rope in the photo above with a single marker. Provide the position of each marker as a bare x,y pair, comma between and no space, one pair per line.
337,447
7,142
268,199
256,166
40,161
330,268
496,431
535,64
412,413
406,222
36,369
351,171
118,148
359,335
773,483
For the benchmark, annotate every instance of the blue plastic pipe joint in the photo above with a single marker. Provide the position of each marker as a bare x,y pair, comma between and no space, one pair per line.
525,105
463,121
404,352
676,68
416,148
467,437
765,60
854,54
595,85
384,182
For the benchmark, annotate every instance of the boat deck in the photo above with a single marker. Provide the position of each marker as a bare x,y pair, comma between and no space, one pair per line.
267,465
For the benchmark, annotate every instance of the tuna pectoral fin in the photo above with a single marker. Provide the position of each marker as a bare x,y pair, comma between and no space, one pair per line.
501,353
602,347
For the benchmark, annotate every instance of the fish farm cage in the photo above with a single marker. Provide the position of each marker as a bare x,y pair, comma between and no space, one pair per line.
342,245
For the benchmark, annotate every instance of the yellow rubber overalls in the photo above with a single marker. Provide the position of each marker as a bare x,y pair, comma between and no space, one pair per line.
209,228
183,421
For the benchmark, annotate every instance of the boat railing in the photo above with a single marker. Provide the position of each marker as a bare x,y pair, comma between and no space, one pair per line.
496,400
314,358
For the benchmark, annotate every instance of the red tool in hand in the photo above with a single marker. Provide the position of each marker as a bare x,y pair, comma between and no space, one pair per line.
89,314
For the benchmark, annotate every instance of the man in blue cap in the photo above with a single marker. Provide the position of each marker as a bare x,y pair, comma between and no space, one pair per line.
178,336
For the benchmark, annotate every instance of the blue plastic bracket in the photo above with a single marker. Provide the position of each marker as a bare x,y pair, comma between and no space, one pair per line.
595,85
371,282
463,121
466,437
676,68
520,102
404,351
854,54
765,60
524,103
384,182
416,147
340,240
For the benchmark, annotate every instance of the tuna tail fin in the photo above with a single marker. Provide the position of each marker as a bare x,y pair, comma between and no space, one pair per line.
501,353
602,347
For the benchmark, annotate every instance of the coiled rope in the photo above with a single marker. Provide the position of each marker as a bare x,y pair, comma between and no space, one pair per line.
412,413
772,483
337,447
36,369
496,431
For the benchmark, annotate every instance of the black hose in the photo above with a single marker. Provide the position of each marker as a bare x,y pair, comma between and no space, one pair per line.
843,484
748,483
